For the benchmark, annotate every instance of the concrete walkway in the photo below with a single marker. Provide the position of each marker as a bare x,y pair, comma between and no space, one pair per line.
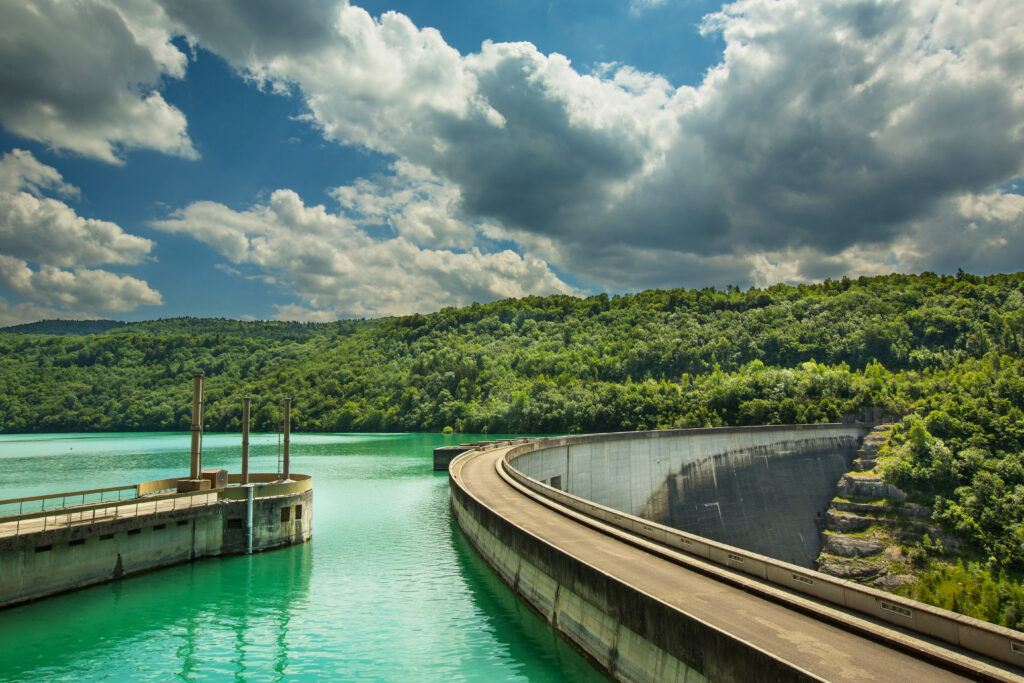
67,517
817,647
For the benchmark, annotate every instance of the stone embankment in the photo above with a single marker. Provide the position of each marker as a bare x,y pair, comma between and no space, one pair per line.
870,522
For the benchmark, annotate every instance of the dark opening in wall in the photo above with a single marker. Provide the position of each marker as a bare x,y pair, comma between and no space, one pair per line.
132,532
106,537
43,548
235,523
298,512
182,522
77,541
556,482
285,514
159,527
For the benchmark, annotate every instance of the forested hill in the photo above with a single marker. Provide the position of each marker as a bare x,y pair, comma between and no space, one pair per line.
947,350
59,326
272,329
555,364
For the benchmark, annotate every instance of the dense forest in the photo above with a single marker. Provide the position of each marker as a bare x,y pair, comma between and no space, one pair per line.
541,365
944,351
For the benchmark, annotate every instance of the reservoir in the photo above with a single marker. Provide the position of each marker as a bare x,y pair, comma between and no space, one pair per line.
387,589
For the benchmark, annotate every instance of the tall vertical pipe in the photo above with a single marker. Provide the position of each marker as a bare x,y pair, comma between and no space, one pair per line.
287,435
245,440
197,424
249,494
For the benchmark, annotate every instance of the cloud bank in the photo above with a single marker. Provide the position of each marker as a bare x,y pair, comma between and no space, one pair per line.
332,263
35,229
834,137
85,77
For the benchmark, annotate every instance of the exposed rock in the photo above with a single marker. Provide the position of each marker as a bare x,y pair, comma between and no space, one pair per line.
844,523
883,519
906,509
867,455
890,582
870,487
857,570
851,546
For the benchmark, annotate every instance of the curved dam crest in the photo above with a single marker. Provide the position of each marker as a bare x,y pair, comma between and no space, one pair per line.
765,491
555,519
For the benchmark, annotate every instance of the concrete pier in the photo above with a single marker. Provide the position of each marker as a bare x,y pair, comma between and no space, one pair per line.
56,550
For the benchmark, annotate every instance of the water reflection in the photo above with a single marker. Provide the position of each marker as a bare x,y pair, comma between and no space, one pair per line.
541,652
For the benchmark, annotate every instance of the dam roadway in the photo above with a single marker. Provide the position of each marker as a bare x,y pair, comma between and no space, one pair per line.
799,636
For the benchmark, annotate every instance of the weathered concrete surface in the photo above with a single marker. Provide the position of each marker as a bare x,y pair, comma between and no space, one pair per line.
770,499
641,616
37,564
764,490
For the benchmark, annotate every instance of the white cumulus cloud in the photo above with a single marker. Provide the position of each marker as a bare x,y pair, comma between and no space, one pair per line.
35,229
337,269
830,128
85,77
834,137
82,288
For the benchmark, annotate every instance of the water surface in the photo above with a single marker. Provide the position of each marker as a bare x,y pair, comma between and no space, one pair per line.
386,590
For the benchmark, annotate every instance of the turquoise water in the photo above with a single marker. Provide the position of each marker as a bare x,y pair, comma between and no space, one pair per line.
387,589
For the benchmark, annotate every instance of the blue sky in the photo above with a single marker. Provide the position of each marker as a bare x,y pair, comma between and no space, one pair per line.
268,159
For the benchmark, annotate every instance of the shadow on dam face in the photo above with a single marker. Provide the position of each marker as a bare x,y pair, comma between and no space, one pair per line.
768,499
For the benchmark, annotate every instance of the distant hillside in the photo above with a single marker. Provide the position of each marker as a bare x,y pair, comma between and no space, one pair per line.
256,329
658,358
65,327
263,329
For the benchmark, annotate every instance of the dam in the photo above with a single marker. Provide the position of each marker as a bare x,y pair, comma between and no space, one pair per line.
762,490
567,523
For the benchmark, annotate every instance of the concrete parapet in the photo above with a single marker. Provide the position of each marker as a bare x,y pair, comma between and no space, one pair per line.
443,455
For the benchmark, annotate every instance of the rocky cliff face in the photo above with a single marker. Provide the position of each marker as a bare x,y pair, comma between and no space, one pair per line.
869,522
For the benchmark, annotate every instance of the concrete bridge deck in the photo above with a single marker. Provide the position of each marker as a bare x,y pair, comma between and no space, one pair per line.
785,628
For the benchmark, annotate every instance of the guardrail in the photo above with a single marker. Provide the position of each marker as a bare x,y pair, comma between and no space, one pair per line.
266,485
1000,643
159,495
64,497
78,514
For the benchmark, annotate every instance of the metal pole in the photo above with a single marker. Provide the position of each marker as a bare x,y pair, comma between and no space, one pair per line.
245,440
197,424
248,523
287,435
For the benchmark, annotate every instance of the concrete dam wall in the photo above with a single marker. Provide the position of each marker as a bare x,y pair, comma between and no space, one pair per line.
762,489
646,601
